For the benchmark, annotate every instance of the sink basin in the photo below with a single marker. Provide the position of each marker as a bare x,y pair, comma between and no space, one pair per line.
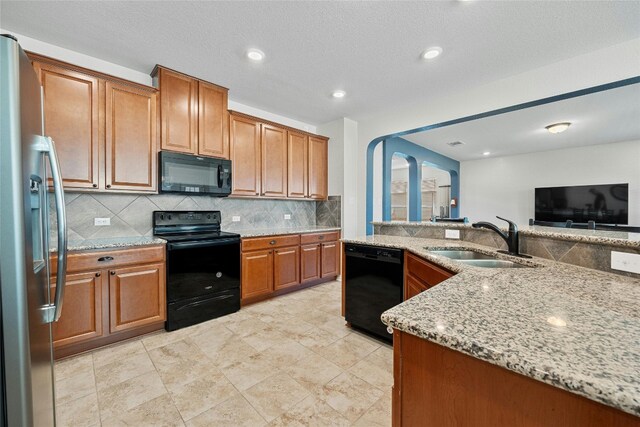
476,259
492,263
462,254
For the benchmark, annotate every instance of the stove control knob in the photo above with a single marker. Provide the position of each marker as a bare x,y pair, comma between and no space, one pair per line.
208,216
169,216
161,216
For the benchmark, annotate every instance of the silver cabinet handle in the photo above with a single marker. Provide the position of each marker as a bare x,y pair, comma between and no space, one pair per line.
48,147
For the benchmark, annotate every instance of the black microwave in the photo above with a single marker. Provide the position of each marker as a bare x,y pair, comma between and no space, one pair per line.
185,173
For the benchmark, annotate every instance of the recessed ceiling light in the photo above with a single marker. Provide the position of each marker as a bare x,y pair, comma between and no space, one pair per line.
339,94
255,55
558,127
486,153
557,321
432,52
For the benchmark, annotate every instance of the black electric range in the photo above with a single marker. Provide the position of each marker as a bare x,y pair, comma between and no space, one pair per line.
203,266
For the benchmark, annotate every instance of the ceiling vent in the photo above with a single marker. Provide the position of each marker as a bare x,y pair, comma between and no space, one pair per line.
455,143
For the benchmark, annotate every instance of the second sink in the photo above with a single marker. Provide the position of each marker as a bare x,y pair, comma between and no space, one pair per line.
461,254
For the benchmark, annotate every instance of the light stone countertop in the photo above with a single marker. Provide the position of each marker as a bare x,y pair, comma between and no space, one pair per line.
610,238
263,232
108,243
502,316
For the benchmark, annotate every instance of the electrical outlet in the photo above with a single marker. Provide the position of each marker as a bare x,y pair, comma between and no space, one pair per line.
625,261
287,216
451,234
235,218
101,221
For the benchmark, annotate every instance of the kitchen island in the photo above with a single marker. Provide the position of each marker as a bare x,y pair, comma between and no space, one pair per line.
523,346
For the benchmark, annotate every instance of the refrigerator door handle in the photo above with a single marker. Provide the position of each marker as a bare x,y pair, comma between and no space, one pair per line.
48,147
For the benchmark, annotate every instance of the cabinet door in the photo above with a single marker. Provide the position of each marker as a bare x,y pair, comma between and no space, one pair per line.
297,165
245,156
330,259
274,161
178,112
286,262
310,262
257,273
413,287
136,296
71,119
213,121
81,317
131,138
318,167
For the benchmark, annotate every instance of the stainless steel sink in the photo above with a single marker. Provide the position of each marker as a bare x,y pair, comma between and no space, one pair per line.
461,254
476,259
492,263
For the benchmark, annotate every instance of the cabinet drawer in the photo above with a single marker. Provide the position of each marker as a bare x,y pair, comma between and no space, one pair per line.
258,243
98,260
426,271
319,237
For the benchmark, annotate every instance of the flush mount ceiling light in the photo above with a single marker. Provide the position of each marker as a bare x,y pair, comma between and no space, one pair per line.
255,55
432,52
558,127
338,94
486,153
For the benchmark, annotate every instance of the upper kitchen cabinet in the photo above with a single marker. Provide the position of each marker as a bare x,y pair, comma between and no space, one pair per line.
131,129
318,165
71,110
274,161
298,164
245,156
105,128
193,114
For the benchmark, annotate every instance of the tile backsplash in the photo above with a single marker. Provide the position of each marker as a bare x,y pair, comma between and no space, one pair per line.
131,214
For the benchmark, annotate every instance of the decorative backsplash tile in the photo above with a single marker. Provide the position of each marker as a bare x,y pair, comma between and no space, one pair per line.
131,215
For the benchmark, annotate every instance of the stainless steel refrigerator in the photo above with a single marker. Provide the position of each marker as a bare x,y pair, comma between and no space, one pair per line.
29,302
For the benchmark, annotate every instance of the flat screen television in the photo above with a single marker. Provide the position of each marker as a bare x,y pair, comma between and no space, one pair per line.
604,204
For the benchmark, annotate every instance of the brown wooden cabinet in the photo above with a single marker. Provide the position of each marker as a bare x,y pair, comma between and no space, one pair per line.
257,273
421,275
297,165
274,161
277,264
83,301
131,138
318,164
245,156
270,160
110,296
71,118
105,129
310,262
193,114
286,267
136,296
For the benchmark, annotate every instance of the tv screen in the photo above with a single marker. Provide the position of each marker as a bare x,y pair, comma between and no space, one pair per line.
604,204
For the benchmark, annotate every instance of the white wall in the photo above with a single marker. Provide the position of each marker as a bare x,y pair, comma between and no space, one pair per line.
603,66
116,70
505,186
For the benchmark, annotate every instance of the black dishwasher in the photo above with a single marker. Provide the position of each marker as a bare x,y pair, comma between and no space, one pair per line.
373,284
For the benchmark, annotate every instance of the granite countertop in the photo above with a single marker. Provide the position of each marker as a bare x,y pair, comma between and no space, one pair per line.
259,232
611,238
514,318
108,243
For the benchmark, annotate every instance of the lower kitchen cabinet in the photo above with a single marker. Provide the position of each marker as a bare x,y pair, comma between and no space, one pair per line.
83,292
257,273
310,262
279,264
137,296
109,296
421,275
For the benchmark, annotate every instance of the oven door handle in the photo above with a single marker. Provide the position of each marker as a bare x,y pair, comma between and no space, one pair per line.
205,301
202,243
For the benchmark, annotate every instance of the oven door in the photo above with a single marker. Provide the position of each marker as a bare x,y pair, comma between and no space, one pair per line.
184,173
203,267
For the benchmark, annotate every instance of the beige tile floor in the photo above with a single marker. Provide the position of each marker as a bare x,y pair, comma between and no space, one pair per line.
289,361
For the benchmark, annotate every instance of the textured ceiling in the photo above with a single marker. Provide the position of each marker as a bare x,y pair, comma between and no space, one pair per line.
369,49
598,118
